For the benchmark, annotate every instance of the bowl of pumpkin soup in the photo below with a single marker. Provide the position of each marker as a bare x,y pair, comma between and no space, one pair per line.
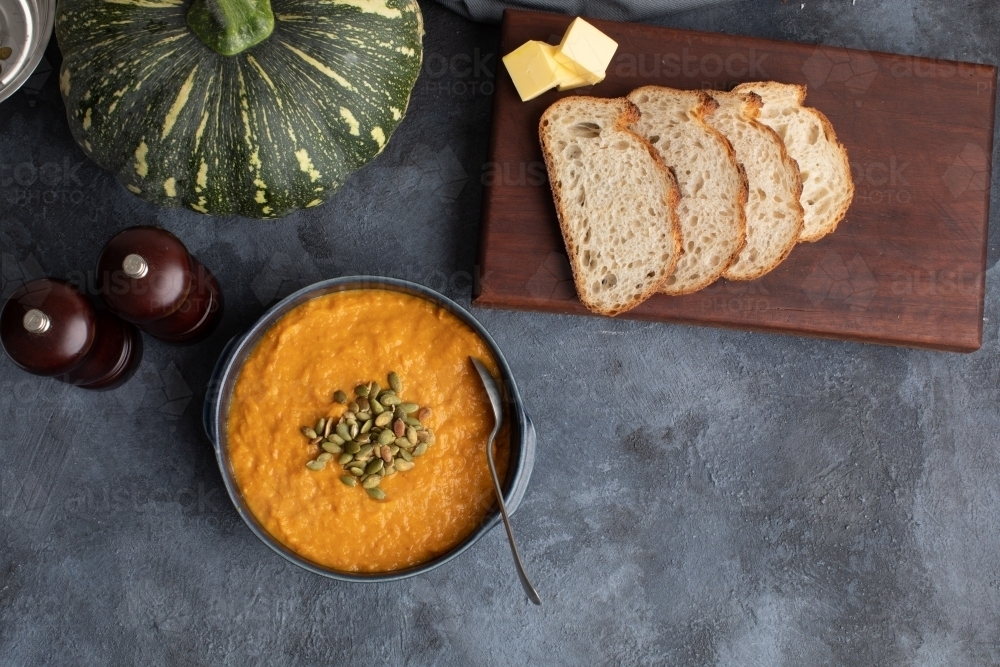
350,428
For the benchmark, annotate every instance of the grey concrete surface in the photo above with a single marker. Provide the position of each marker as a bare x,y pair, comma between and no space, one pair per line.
702,497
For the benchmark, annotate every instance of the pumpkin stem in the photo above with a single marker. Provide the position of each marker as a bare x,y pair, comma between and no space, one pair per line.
231,26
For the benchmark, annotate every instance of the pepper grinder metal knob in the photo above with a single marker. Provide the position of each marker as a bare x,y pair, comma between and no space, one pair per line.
49,328
146,276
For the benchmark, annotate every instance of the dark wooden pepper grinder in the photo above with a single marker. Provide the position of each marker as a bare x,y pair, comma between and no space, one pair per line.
146,276
49,328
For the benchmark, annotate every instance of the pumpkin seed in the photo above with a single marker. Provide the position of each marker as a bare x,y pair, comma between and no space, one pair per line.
5,52
378,435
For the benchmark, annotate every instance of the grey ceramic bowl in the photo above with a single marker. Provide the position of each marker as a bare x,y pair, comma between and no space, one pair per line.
227,369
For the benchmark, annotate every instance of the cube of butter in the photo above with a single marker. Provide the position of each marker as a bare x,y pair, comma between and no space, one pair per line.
578,81
533,68
586,50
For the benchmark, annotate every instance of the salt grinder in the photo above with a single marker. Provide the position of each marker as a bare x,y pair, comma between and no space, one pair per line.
49,328
146,276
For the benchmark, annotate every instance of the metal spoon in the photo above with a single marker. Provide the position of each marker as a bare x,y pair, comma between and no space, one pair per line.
496,400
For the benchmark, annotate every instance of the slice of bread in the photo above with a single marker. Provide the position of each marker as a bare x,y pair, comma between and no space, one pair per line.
713,187
774,214
827,187
615,199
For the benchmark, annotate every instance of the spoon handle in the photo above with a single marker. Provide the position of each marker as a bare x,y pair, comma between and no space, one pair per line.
525,583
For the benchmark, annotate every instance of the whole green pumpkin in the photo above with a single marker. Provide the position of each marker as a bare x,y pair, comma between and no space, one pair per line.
249,107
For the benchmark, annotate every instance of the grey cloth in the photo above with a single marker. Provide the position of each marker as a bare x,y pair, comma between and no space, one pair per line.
490,11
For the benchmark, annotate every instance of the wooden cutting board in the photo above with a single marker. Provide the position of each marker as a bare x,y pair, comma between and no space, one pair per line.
905,267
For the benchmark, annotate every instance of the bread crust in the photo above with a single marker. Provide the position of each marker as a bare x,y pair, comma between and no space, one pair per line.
831,135
706,106
628,114
752,105
710,107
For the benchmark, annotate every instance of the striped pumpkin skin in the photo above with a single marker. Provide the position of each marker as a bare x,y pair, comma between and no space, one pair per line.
261,133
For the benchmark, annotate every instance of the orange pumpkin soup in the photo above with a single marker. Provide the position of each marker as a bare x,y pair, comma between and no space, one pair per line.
335,342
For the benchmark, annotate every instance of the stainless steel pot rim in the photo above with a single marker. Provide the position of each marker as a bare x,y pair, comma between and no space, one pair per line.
227,369
29,40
